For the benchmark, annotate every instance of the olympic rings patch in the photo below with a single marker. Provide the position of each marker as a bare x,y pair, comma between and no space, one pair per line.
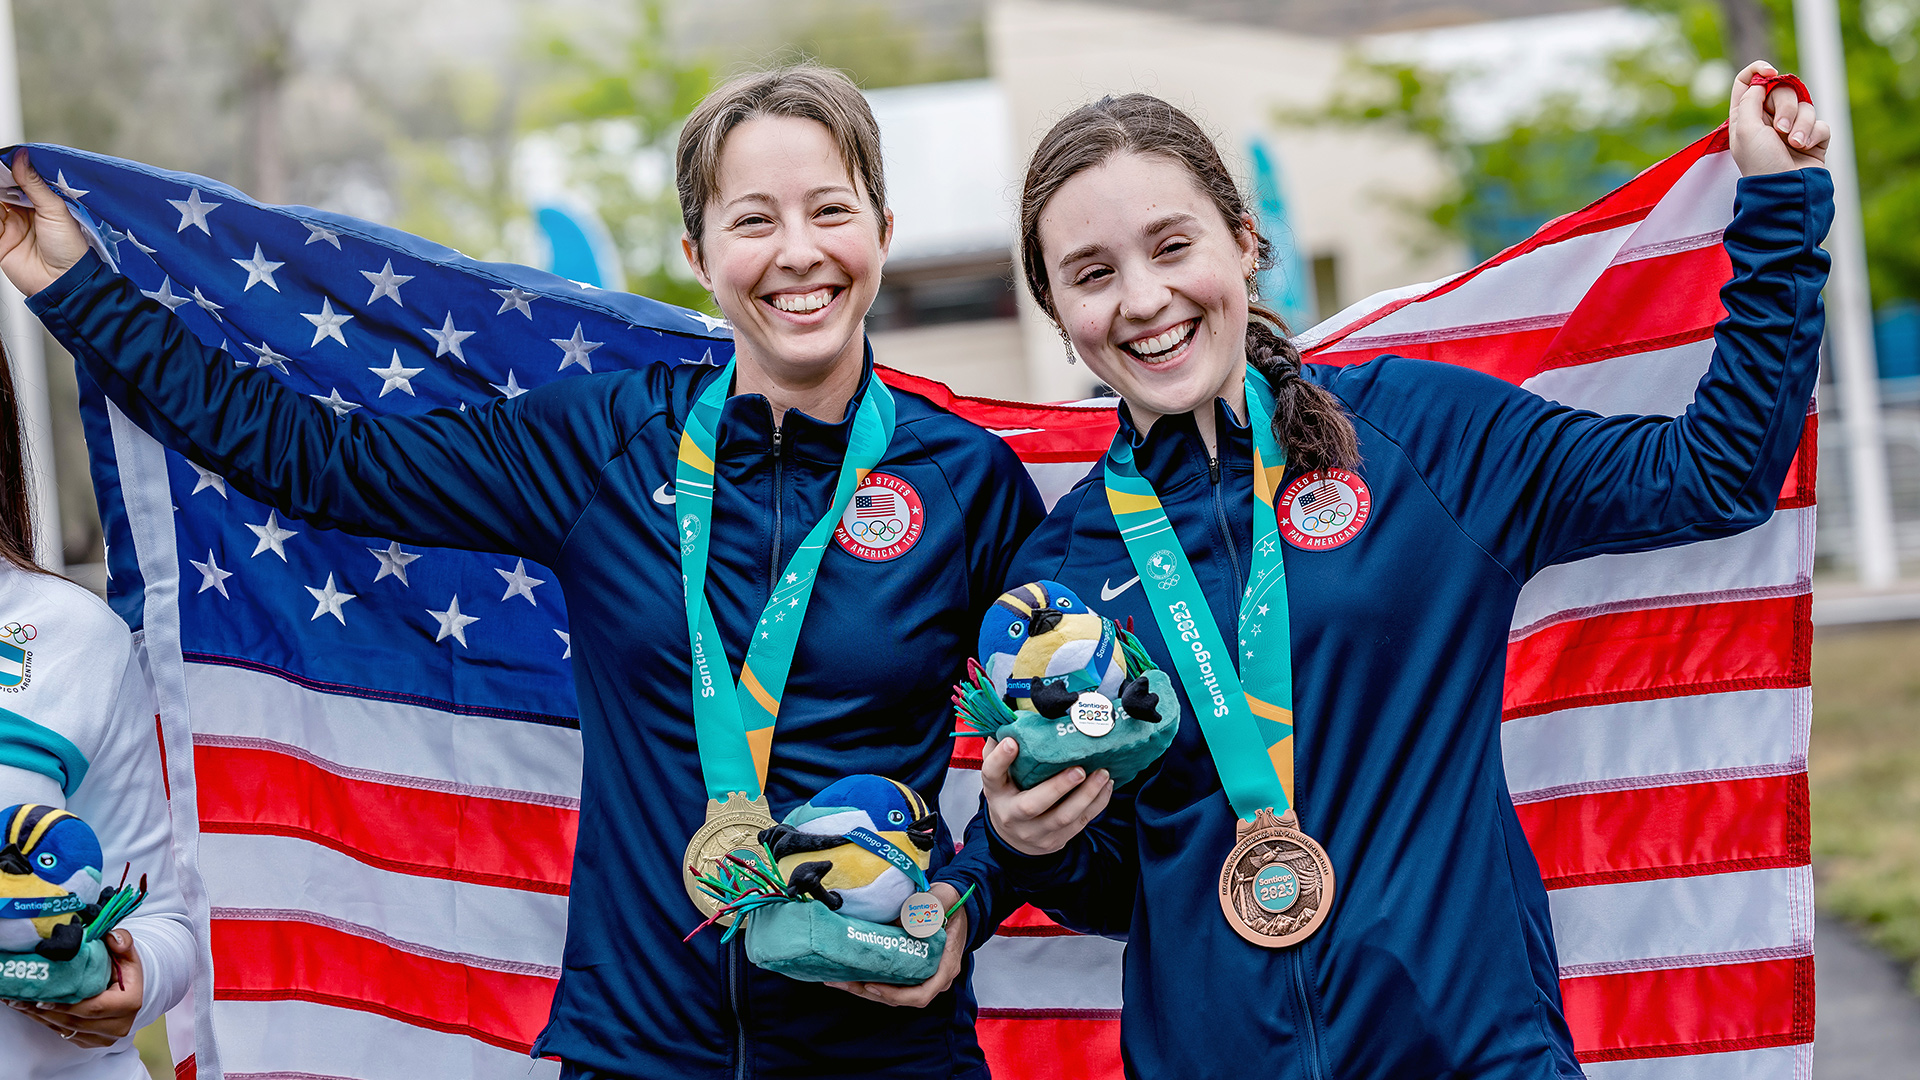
884,520
1324,509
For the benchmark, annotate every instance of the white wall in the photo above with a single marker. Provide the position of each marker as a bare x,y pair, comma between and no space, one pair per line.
982,359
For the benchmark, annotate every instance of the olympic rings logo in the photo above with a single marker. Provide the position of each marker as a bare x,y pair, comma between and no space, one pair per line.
1321,523
883,531
19,633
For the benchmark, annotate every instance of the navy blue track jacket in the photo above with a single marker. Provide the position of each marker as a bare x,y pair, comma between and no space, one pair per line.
1437,956
575,475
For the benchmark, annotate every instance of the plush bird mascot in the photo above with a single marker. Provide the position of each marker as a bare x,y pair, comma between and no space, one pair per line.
1043,647
841,893
49,881
1071,687
844,846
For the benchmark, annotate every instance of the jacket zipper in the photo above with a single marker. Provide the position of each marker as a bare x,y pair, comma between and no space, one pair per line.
773,560
739,1021
1316,1066
1226,529
733,947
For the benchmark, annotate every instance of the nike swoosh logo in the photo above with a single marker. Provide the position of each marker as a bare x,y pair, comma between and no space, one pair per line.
1108,592
662,496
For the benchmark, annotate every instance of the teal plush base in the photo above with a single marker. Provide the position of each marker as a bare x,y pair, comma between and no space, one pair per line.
806,941
1049,746
31,977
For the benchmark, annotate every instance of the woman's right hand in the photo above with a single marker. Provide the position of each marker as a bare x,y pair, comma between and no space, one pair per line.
38,245
1040,820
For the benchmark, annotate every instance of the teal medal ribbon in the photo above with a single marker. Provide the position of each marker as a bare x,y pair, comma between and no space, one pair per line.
1242,695
733,721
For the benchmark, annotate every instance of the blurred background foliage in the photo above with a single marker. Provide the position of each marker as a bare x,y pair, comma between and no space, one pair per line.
423,116
1565,151
1864,779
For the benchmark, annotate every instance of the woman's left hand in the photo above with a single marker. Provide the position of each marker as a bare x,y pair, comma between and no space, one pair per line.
106,1017
1773,131
951,960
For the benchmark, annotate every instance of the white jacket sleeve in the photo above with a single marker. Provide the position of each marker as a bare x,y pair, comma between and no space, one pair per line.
125,800
78,730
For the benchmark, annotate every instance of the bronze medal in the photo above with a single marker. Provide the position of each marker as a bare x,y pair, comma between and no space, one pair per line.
1277,883
731,826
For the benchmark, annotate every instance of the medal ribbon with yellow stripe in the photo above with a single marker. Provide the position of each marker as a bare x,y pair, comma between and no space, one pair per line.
1245,708
733,723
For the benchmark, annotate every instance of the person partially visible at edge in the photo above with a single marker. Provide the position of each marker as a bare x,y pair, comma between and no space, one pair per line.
787,225
1435,955
77,733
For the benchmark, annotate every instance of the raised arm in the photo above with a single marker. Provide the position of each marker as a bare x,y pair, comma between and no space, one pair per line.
511,476
1536,483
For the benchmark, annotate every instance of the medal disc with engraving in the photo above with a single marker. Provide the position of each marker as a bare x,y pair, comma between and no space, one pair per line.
1277,883
922,915
731,826
1092,714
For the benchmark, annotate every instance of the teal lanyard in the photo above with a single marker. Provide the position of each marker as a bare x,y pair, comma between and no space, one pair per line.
1246,714
733,724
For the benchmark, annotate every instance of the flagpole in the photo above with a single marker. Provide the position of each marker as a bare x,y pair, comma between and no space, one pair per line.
22,334
1850,314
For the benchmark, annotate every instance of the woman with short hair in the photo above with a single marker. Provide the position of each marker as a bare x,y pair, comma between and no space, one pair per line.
784,202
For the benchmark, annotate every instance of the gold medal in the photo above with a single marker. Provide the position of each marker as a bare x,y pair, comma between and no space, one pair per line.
731,826
1277,883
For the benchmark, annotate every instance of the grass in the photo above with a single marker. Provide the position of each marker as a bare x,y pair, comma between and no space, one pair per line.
152,1043
1864,775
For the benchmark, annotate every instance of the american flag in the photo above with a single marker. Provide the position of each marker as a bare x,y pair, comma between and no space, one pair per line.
1317,497
874,506
355,728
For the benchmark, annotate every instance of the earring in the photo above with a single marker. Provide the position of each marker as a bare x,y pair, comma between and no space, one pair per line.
1067,342
1253,286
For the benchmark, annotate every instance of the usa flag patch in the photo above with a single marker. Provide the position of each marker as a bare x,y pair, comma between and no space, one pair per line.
884,520
1324,509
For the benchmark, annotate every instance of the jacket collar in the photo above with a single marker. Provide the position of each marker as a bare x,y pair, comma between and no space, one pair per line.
746,425
1171,454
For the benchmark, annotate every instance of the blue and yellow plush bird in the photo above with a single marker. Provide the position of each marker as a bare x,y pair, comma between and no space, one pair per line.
1042,647
50,880
844,847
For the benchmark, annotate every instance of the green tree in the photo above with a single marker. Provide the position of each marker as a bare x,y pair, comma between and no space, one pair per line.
878,48
606,94
1561,156
615,112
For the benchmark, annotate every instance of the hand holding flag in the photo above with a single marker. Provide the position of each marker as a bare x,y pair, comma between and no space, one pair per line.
38,245
1764,98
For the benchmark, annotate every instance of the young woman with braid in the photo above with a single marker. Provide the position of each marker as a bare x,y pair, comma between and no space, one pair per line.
1325,875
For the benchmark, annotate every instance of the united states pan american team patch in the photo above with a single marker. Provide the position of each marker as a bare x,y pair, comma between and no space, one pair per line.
884,520
1324,509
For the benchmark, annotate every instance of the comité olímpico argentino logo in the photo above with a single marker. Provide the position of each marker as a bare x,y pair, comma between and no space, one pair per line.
16,661
883,521
1324,509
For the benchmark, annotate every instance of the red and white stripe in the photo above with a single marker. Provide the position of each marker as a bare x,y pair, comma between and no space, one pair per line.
1657,705
368,921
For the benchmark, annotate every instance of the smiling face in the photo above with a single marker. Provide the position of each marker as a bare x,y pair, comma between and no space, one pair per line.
791,250
1149,281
